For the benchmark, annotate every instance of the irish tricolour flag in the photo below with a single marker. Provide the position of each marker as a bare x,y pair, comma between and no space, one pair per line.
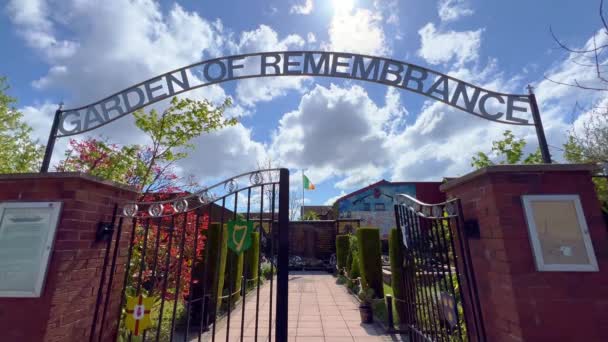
307,184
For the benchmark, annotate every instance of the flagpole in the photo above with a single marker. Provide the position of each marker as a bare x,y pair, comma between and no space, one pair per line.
302,207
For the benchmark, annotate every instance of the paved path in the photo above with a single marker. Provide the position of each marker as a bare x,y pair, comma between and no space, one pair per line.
319,310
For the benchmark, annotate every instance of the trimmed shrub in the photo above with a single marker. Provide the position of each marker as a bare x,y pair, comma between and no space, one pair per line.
353,250
234,275
211,270
395,251
370,260
252,260
342,250
355,271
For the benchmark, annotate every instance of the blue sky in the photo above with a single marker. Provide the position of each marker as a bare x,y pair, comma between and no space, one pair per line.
345,134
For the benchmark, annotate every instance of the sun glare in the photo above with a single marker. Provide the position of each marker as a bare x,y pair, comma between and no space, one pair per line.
342,6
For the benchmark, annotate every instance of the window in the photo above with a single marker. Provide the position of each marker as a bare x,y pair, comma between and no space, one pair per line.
366,207
379,207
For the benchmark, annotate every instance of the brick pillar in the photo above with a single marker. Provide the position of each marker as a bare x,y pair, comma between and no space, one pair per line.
519,303
64,311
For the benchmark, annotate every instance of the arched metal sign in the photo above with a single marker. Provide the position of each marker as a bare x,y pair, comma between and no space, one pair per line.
513,109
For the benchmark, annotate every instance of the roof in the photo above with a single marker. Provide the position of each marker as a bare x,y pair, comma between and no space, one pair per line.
382,182
371,186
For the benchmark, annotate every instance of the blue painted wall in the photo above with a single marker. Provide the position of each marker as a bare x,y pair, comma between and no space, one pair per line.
374,206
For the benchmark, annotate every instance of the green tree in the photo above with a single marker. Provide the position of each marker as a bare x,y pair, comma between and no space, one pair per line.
18,152
510,150
310,216
576,150
172,131
149,168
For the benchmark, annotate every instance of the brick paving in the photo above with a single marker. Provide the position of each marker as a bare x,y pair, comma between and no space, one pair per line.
319,310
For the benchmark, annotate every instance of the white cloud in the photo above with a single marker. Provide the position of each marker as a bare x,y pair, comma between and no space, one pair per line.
450,46
304,8
264,38
358,30
40,118
332,200
311,38
308,138
33,23
451,10
224,153
390,9
119,43
116,43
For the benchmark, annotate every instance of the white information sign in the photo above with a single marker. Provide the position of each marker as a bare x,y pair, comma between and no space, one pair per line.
559,233
27,231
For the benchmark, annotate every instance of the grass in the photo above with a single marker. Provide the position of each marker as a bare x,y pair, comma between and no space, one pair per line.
379,308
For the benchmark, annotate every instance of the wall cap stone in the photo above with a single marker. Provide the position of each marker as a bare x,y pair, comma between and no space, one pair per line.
536,168
56,175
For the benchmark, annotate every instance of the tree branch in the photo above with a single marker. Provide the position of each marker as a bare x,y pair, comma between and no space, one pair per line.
575,85
563,46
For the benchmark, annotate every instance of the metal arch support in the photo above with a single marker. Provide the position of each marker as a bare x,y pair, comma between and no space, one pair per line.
540,131
50,145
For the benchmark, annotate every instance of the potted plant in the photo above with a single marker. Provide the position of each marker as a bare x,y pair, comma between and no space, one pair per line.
365,308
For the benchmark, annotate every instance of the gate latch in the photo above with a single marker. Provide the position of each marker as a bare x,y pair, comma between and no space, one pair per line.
104,231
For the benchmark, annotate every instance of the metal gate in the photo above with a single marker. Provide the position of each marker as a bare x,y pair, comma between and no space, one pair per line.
441,302
169,265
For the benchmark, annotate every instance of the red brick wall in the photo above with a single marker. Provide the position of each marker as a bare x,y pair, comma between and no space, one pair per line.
64,311
519,303
429,192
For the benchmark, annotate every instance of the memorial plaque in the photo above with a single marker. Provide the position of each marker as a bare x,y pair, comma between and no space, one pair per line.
559,233
27,231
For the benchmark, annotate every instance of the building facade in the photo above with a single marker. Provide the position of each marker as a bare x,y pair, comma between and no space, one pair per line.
374,204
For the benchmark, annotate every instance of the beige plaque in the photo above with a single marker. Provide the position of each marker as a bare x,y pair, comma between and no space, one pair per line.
559,233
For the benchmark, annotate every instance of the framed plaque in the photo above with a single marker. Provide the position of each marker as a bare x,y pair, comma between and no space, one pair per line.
27,231
559,234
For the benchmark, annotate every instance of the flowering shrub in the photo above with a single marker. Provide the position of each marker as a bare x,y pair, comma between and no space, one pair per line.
168,237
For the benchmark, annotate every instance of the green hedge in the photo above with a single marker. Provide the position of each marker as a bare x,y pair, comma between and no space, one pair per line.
353,252
342,250
234,275
370,260
355,269
252,259
395,252
215,260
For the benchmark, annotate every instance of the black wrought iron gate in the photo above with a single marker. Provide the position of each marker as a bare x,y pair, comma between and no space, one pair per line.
171,287
441,302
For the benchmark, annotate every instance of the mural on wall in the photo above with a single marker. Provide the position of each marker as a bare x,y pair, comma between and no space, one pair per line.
374,205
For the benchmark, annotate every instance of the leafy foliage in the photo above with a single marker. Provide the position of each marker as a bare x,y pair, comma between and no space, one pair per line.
576,152
342,249
233,277
149,168
252,260
18,152
159,251
268,270
310,216
510,150
395,247
172,131
353,250
370,260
